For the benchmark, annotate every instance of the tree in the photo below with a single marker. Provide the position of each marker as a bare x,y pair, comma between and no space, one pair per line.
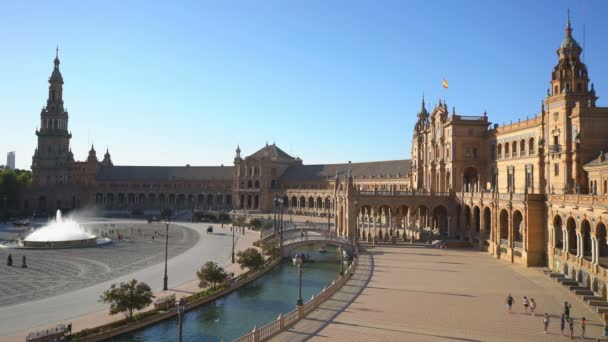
240,222
255,223
250,258
127,297
210,274
12,183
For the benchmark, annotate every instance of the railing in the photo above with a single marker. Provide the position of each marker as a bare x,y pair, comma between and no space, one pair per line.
402,193
284,321
518,244
504,242
555,148
53,334
580,200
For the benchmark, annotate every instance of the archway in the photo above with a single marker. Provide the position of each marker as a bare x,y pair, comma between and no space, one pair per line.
558,234
586,237
600,234
467,221
487,223
571,228
477,221
504,227
440,216
518,229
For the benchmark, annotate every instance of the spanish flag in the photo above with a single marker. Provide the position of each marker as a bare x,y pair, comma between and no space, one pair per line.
445,83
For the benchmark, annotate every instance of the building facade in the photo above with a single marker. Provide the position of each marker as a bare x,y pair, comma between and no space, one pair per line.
10,160
533,192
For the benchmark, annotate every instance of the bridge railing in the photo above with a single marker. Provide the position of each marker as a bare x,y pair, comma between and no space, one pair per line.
402,193
285,321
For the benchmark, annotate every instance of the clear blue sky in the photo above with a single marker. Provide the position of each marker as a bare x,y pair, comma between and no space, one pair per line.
181,82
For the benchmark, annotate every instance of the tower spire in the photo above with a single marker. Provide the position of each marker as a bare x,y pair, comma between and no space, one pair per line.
568,27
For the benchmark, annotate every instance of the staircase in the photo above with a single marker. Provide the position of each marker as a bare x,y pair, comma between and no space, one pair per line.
595,301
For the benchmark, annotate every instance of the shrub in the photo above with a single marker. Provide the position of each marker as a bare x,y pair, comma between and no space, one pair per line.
250,258
127,297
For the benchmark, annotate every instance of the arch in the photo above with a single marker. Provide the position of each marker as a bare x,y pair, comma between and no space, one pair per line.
507,150
319,203
499,150
514,148
190,201
421,213
209,201
110,200
477,219
558,233
311,202
302,202
571,230
151,200
294,202
171,202
257,184
327,203
487,222
181,200
518,228
200,200
131,199
162,200
586,239
256,202
602,248
522,147
467,220
121,199
286,201
440,216
42,203
531,146
504,227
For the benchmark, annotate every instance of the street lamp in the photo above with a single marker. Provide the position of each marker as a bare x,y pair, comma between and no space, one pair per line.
181,309
165,279
341,261
356,237
219,218
274,207
233,243
299,263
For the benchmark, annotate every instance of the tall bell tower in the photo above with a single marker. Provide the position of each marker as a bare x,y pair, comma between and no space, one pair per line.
52,158
568,102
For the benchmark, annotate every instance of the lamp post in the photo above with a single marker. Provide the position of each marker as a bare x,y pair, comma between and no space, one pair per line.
165,279
341,261
299,264
219,218
280,219
274,207
356,237
233,243
328,222
181,309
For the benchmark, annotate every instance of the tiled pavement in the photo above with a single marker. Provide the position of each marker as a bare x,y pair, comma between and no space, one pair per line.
403,293
52,272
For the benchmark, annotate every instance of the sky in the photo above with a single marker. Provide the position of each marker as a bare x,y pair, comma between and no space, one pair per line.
185,82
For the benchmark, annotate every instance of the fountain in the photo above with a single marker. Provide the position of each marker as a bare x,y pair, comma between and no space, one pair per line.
61,233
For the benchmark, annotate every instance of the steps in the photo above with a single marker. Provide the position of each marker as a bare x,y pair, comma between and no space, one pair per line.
597,303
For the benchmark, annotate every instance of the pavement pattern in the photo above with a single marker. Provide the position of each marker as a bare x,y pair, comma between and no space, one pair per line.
413,293
53,272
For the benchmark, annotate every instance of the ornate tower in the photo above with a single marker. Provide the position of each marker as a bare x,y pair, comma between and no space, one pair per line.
567,104
52,158
418,148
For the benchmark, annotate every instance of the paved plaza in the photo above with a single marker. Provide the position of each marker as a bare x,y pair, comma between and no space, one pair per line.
404,293
52,272
136,257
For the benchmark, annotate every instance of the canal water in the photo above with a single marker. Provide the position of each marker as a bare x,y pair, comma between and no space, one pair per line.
255,304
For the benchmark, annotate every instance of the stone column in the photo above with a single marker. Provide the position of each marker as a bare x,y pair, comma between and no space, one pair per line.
579,244
594,251
565,240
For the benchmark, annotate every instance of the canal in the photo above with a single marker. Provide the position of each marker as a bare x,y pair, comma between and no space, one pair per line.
255,304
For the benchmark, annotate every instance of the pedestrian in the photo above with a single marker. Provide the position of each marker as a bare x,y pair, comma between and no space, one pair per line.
509,302
532,306
9,260
23,264
526,304
546,322
605,331
562,323
571,325
567,309
583,326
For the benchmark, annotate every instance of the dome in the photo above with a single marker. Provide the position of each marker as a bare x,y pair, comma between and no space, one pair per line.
569,43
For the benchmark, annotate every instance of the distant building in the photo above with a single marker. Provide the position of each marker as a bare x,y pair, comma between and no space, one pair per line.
10,160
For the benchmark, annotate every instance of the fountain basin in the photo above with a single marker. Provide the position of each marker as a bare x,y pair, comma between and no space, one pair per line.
60,244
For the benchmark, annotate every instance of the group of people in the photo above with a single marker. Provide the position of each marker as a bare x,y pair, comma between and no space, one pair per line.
9,261
565,317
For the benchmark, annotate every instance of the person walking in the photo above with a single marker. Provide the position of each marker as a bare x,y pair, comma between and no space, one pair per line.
532,306
562,324
546,322
526,304
509,303
583,326
605,331
571,325
567,309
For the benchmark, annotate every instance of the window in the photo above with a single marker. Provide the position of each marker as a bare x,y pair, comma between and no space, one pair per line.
556,91
507,150
474,153
556,169
522,148
515,149
531,146
555,140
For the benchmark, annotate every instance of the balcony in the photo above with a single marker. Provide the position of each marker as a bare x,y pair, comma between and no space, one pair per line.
555,148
